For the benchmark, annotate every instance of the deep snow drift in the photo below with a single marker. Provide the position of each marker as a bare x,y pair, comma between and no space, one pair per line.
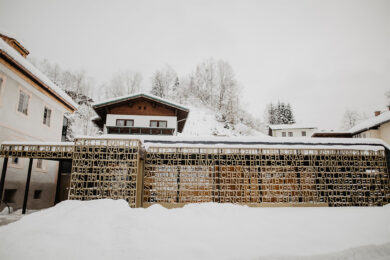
107,229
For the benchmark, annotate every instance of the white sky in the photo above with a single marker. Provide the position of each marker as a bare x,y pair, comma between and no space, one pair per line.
321,56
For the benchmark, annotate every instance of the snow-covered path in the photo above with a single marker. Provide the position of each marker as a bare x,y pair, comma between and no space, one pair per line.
107,229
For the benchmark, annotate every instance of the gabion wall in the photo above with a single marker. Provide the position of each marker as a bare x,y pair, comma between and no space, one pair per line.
105,168
253,176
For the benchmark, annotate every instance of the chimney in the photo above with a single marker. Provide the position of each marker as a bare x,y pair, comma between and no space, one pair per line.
377,113
388,107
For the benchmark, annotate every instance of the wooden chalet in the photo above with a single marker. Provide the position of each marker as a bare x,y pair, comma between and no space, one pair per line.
140,113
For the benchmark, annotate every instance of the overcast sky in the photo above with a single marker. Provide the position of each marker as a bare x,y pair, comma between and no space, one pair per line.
321,56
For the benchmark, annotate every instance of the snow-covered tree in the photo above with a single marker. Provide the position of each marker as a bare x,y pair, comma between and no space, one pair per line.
214,84
165,83
122,83
281,113
350,119
204,82
78,85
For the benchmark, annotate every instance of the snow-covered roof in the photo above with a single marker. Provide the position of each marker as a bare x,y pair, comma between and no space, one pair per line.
371,123
292,126
136,95
31,69
252,142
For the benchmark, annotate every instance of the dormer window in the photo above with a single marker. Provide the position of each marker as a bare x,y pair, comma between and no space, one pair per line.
124,122
157,123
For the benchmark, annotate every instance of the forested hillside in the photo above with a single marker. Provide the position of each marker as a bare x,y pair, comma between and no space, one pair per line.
211,91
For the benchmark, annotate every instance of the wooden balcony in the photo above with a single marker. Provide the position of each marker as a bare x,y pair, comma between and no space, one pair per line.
131,130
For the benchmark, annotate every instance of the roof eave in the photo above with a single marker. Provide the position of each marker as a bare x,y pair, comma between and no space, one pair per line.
43,85
99,105
370,128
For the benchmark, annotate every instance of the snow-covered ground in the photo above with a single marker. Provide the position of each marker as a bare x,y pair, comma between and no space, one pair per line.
108,229
202,121
8,215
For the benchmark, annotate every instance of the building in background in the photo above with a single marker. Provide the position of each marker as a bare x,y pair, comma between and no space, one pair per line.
140,114
291,130
374,127
32,108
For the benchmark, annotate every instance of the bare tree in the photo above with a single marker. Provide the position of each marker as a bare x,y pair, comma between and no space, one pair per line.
204,82
350,119
122,83
165,83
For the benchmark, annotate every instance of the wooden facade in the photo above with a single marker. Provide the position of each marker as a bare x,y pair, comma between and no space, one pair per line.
140,105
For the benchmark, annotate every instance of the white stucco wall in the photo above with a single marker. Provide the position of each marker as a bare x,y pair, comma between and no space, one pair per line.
383,132
297,132
16,126
142,121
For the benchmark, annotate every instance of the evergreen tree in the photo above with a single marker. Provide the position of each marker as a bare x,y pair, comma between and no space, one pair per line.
279,114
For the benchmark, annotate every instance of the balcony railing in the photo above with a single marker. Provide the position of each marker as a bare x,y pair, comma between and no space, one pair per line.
131,130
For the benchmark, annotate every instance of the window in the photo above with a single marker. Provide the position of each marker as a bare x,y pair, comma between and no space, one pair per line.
124,122
120,122
39,164
9,195
23,102
64,129
290,134
283,134
303,133
14,160
46,116
161,124
37,194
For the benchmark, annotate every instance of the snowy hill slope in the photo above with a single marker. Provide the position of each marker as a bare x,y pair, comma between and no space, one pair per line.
202,121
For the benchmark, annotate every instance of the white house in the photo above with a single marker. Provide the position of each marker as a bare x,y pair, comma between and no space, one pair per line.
374,127
32,108
291,130
140,113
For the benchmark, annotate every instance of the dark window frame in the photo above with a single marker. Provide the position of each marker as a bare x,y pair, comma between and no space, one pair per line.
125,122
9,195
158,123
47,116
37,194
22,107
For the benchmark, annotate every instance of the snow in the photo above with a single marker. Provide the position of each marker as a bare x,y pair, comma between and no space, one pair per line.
201,121
33,70
251,142
371,122
108,229
163,100
292,126
38,143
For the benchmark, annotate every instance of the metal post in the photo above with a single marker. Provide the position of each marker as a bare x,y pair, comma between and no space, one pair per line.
2,181
27,186
60,169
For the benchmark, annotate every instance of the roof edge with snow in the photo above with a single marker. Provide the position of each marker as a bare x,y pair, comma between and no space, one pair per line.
371,123
12,56
137,95
291,126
